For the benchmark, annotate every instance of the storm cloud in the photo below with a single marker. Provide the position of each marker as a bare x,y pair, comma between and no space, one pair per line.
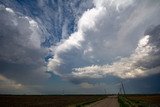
110,40
80,46
21,55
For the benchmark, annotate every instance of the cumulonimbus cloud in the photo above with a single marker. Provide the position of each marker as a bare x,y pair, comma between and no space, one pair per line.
110,40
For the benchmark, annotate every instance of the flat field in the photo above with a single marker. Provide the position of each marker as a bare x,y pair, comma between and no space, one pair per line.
147,100
47,100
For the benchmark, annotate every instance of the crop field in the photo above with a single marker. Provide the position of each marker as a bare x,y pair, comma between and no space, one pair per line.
153,100
140,100
47,100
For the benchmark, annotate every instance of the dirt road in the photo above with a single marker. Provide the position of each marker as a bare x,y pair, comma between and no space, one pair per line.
111,101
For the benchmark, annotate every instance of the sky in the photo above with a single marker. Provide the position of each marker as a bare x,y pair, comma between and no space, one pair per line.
79,46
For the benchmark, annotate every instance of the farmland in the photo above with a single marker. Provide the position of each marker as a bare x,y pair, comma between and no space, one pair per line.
140,100
77,100
47,100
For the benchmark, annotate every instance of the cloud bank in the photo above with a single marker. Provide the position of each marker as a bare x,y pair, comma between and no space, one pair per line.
110,40
93,44
21,55
28,28
125,67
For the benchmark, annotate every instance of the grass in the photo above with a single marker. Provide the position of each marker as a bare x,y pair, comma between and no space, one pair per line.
124,102
139,100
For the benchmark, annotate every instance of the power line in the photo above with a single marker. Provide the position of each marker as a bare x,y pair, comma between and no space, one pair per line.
123,88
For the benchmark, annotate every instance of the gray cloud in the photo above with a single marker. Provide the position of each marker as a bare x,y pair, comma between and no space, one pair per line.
21,55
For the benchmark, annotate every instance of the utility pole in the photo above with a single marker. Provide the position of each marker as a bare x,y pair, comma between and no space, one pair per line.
123,88
105,92
120,92
62,92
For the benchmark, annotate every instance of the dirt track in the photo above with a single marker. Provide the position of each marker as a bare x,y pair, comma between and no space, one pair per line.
111,101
